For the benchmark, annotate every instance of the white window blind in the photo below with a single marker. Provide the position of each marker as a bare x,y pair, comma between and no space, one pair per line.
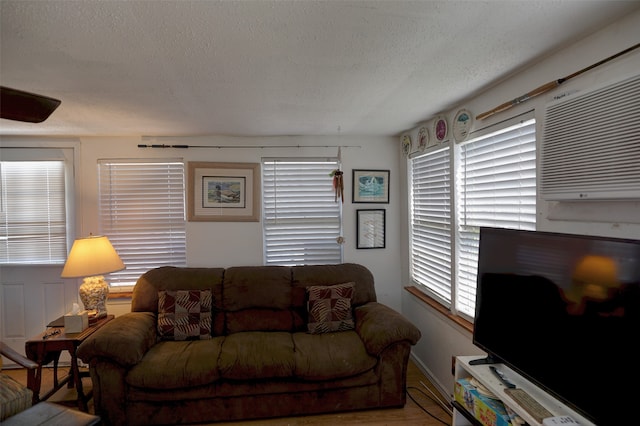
431,246
32,212
142,211
496,187
301,217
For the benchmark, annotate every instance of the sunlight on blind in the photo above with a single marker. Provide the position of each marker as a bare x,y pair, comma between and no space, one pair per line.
301,218
431,223
495,185
497,188
142,211
32,212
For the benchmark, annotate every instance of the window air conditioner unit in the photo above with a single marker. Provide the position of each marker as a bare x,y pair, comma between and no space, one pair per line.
591,144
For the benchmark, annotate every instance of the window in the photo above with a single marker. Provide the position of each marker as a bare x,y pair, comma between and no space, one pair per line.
33,219
142,211
431,222
493,184
301,216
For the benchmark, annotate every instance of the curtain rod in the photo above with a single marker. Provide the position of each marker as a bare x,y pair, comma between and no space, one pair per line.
247,146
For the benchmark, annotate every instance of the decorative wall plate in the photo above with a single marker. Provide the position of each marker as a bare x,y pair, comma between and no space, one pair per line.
461,126
440,128
423,138
406,144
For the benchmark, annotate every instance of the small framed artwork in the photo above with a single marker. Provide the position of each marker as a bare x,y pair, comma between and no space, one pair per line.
406,145
371,226
223,192
370,186
440,128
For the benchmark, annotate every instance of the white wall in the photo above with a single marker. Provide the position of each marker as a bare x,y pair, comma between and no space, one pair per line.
442,339
240,243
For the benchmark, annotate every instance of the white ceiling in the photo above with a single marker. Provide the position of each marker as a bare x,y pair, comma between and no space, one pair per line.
265,67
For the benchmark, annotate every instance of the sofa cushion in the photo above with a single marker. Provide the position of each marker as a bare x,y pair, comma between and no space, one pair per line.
256,287
14,397
252,389
257,355
329,308
308,275
330,356
263,319
145,292
176,365
184,314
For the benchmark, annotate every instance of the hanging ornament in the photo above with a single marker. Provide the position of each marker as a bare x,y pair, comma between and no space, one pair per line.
338,184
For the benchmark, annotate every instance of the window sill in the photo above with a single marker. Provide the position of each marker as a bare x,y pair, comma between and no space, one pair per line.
440,308
120,295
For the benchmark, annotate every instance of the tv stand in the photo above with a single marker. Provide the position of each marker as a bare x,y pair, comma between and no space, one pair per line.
489,359
477,367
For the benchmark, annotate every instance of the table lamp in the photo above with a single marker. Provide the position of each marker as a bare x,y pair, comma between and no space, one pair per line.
90,258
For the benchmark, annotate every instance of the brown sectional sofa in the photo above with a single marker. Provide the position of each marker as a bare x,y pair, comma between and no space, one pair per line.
260,362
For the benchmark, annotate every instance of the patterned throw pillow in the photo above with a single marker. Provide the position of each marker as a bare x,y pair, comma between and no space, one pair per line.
184,314
329,308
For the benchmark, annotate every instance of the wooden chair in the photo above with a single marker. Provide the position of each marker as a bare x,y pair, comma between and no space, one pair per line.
14,397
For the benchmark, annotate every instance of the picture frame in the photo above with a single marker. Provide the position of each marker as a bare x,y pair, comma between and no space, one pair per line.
370,186
223,192
371,228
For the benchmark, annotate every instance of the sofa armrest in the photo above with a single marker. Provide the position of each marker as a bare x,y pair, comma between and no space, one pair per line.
380,326
123,340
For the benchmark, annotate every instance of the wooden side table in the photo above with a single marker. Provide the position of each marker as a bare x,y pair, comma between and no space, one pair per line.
46,347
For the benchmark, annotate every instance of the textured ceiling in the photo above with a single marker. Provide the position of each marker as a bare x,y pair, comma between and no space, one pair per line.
263,67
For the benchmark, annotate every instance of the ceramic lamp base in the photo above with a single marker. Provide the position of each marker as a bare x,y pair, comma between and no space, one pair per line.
93,293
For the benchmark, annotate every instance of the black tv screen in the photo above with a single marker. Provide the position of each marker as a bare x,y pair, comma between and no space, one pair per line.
564,311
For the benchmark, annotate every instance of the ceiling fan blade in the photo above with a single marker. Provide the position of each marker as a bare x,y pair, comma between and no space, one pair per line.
24,106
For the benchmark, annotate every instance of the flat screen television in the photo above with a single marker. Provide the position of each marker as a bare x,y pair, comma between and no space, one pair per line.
563,311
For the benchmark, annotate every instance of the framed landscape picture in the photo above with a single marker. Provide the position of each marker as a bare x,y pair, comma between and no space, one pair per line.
370,186
224,192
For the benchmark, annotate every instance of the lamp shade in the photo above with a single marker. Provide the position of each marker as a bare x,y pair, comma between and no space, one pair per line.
89,256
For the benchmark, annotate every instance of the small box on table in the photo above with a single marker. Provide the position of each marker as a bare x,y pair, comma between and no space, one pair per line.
488,411
75,323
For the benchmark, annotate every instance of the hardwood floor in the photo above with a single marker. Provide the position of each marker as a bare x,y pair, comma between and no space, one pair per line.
424,411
